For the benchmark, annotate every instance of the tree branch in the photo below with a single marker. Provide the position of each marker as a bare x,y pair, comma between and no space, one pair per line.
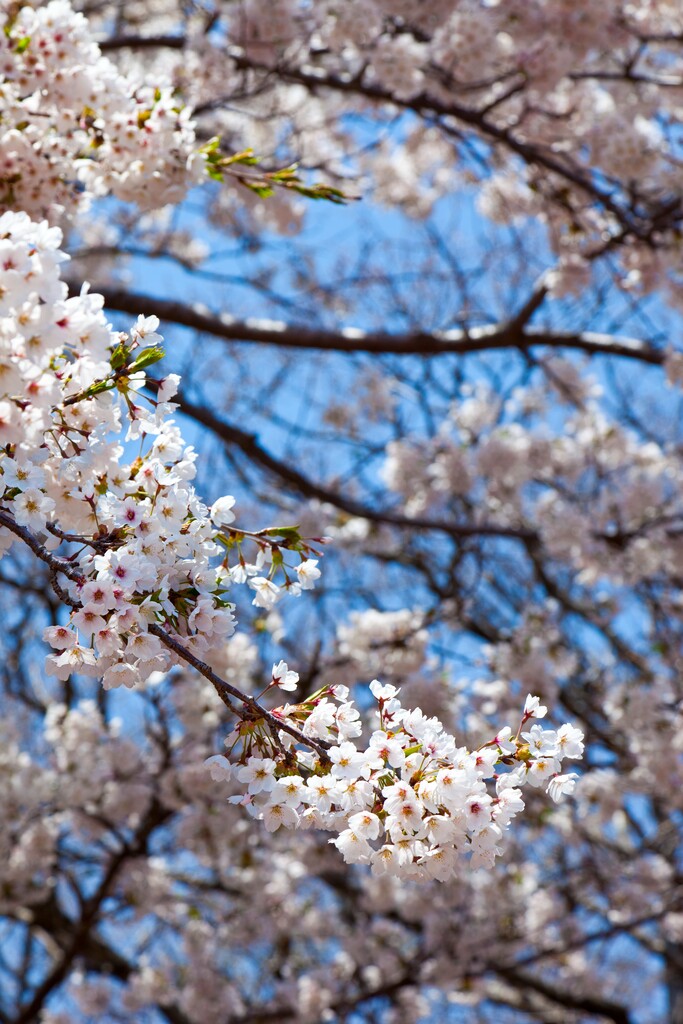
514,333
428,106
56,564
223,688
91,908
130,42
273,721
565,997
249,444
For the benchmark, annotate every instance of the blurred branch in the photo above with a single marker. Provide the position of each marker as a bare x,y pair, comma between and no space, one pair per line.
130,42
308,488
249,444
513,333
567,998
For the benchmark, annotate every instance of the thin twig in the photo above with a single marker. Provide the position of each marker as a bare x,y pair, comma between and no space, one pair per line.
273,721
224,689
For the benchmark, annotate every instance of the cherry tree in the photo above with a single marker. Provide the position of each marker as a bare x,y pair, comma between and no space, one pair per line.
463,390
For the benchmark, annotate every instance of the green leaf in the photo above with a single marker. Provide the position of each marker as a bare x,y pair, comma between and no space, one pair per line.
98,387
147,358
321,191
245,157
282,531
263,191
211,148
119,357
286,174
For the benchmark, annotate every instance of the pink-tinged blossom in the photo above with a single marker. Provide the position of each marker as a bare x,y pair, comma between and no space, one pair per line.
320,720
284,678
477,812
365,824
485,761
24,475
144,330
348,762
540,741
506,741
88,621
348,722
353,848
32,508
382,691
287,790
143,646
100,596
121,674
440,862
60,637
168,388
74,659
388,748
533,707
541,770
570,741
276,815
385,862
355,794
509,804
322,792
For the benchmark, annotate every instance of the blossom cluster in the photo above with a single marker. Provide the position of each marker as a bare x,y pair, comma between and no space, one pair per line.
132,547
410,803
501,460
87,461
74,126
577,101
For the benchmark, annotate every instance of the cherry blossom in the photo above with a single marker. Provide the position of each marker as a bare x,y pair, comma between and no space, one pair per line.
474,397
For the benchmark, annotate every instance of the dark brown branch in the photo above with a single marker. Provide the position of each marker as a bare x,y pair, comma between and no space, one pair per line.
561,948
249,444
96,955
565,997
129,42
89,914
307,488
223,688
427,105
634,222
514,333
56,564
